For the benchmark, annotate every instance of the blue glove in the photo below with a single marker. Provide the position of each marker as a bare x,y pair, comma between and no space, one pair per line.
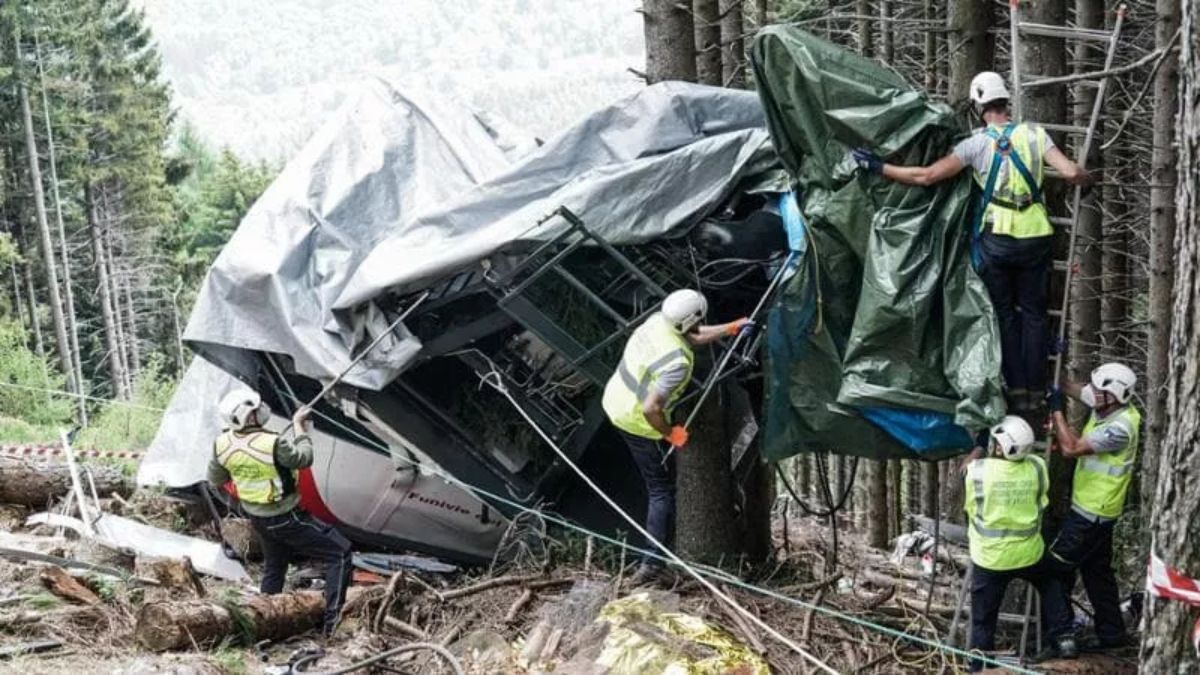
867,160
747,329
1055,400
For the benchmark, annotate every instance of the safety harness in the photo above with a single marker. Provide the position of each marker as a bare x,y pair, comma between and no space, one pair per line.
1002,149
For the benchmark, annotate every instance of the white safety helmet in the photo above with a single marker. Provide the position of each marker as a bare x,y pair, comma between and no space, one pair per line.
1115,378
684,309
1014,437
238,406
987,87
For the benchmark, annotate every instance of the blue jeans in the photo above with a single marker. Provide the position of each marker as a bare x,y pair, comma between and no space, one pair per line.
660,489
1017,281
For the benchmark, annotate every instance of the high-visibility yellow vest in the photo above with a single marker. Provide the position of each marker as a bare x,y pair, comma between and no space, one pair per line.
249,457
1013,210
1102,480
1004,504
653,347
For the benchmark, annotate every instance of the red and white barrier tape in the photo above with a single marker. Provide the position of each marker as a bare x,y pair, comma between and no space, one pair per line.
1164,581
55,450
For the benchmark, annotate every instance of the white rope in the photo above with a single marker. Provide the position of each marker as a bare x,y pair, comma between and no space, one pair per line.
498,385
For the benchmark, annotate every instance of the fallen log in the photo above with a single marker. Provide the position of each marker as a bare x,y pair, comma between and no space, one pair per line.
36,484
183,624
58,582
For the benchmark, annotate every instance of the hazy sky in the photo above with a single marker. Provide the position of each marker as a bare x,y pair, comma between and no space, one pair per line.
260,76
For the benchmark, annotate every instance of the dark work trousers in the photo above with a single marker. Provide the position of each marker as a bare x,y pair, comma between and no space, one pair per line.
1017,273
987,592
1087,547
660,489
294,535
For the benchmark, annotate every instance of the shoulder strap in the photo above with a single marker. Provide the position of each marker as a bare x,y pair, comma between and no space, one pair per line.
989,186
1019,164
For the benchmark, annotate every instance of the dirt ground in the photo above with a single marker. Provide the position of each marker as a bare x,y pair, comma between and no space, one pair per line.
491,630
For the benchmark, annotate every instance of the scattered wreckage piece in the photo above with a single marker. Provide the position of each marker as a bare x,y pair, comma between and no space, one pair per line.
124,533
58,582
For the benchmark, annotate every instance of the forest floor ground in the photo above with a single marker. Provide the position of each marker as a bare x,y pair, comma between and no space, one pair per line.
541,617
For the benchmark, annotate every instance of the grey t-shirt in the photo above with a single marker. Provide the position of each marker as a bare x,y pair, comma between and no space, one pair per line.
1111,436
670,378
975,152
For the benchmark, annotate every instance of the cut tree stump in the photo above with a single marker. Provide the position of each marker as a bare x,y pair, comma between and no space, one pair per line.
65,586
36,484
185,624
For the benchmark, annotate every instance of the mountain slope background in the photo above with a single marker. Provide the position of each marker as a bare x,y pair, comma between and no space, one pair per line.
260,77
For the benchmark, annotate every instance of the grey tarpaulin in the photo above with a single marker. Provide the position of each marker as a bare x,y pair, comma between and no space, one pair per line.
399,189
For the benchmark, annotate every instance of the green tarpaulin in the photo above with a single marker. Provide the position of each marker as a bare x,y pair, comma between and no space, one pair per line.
885,315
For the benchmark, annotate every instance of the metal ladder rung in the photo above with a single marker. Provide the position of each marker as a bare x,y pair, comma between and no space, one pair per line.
1060,265
1069,32
1062,221
1067,128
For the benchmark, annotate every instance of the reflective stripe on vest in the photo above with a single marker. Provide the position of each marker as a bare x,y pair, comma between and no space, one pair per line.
1005,506
1015,207
250,460
652,348
1102,480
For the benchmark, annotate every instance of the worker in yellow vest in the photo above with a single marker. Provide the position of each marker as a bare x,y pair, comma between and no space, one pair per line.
1006,492
262,466
1104,455
1011,231
654,372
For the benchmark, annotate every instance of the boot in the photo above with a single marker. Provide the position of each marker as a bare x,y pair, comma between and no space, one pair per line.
646,575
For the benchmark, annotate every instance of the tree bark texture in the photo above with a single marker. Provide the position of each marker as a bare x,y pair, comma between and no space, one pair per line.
31,298
972,47
163,626
707,26
114,291
733,45
1085,283
1163,178
1175,516
866,41
68,291
37,484
877,503
106,306
758,496
1043,56
704,522
670,44
39,203
887,41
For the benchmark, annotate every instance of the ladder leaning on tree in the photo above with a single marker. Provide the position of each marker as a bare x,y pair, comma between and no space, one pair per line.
1098,79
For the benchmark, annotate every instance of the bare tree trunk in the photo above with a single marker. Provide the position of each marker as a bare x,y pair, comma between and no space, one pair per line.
733,47
704,528
114,292
707,27
1162,235
895,497
866,42
670,44
1085,283
1175,516
929,12
760,13
106,306
39,202
31,297
877,504
887,42
972,46
131,332
72,327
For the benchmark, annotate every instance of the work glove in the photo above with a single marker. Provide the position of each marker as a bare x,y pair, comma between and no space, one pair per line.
1055,400
742,325
867,160
678,437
